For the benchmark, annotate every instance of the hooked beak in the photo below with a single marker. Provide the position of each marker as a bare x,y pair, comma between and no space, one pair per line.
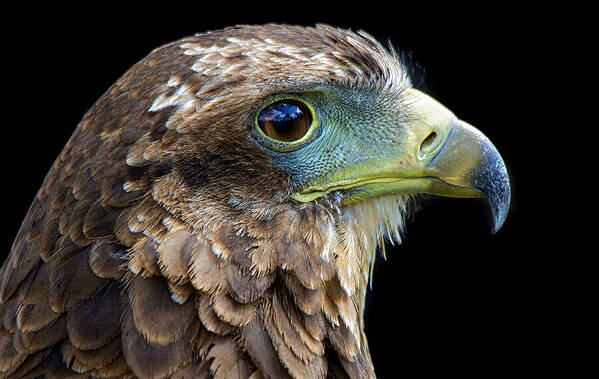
467,162
442,156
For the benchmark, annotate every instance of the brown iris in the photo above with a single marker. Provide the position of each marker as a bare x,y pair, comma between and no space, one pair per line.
285,120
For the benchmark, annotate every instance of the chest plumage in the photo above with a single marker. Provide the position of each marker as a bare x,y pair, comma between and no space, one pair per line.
188,230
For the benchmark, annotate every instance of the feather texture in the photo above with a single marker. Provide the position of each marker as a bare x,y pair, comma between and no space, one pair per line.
159,318
163,241
96,322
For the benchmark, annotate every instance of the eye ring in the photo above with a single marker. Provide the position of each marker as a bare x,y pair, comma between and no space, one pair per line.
286,123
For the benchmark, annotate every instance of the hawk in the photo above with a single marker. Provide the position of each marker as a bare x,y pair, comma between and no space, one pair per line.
217,212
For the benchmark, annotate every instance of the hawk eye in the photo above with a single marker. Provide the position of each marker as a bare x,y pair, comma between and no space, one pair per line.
285,120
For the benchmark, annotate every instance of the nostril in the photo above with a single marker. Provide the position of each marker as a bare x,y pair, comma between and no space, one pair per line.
429,143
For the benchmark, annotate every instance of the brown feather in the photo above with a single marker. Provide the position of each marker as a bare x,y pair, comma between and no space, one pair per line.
181,293
75,222
122,232
99,221
107,260
87,360
175,254
315,325
33,317
257,375
68,204
309,301
23,370
227,361
156,316
210,320
118,368
64,250
113,195
263,257
36,287
145,248
136,265
10,359
287,331
297,367
230,311
200,371
85,187
31,342
95,322
246,288
135,156
297,322
257,343
53,367
48,238
73,281
343,342
9,315
206,274
16,268
150,361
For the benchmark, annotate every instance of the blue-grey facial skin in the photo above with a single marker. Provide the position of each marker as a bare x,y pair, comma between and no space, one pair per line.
372,143
355,128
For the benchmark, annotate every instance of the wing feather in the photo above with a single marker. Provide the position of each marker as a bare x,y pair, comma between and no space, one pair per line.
147,360
94,323
156,315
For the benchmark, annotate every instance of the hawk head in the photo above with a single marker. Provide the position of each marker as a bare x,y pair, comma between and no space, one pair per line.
319,124
234,187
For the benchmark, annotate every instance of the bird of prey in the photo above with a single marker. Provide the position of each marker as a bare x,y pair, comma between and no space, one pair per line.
217,212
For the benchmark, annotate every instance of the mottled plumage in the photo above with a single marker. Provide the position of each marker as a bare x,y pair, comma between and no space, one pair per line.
164,241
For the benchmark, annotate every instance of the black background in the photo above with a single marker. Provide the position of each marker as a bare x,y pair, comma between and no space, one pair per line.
453,299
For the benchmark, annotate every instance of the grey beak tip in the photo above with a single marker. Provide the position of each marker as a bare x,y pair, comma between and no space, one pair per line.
493,180
499,216
496,187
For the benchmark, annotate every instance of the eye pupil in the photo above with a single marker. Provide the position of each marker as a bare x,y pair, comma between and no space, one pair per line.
285,120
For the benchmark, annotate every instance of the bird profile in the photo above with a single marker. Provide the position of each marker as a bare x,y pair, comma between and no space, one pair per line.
218,211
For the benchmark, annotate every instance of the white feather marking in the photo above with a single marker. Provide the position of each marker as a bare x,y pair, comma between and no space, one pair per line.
325,253
132,269
158,104
145,233
167,224
173,81
176,299
217,252
180,97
